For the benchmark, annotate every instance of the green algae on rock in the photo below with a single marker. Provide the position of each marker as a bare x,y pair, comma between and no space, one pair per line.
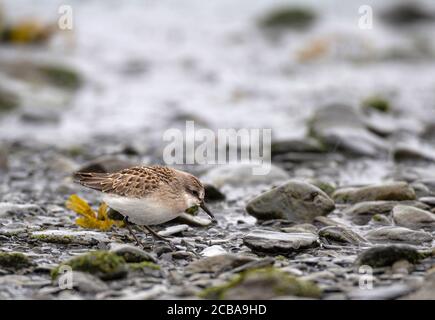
288,18
8,101
14,261
265,283
61,76
377,103
106,265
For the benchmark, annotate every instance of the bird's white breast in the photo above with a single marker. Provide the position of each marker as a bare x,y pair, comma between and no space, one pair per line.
145,211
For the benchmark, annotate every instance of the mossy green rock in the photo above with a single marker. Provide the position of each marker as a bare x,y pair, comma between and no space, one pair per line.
288,17
14,261
61,76
377,103
8,101
105,265
265,283
384,256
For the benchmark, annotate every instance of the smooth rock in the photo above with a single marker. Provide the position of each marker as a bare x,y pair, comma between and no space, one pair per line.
413,218
70,237
298,228
361,213
380,293
295,201
391,191
87,283
218,263
214,250
131,253
194,220
430,201
279,242
383,256
266,283
295,145
341,127
169,231
407,152
241,175
393,234
342,235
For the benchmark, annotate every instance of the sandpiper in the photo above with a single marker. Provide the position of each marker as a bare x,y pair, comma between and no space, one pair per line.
147,195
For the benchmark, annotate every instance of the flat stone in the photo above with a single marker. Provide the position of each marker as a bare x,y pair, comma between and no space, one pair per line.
214,250
392,191
173,230
380,293
279,242
392,234
361,213
194,220
70,237
414,218
295,201
338,234
218,263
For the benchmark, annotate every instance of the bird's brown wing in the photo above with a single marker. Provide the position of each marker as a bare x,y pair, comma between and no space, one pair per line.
132,182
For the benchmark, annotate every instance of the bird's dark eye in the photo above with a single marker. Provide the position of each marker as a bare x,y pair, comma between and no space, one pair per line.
194,193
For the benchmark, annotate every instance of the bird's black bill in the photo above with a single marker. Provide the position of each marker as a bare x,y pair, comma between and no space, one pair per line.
203,207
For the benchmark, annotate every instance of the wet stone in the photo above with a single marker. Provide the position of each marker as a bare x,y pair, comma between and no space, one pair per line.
295,201
384,256
414,218
263,283
218,263
362,212
70,237
341,235
279,242
392,191
131,253
392,234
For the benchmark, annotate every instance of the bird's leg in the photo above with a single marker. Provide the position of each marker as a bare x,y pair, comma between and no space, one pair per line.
127,224
156,236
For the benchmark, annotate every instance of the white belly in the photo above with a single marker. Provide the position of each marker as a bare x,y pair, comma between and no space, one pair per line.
146,211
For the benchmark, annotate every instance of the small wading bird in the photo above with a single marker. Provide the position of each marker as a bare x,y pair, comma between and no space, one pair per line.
147,195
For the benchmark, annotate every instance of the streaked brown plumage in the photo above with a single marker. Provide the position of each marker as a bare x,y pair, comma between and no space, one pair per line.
147,195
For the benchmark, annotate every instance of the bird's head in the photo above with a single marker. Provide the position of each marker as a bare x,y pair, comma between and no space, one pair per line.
194,193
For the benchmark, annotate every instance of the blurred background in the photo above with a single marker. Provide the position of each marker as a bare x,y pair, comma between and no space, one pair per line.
127,71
